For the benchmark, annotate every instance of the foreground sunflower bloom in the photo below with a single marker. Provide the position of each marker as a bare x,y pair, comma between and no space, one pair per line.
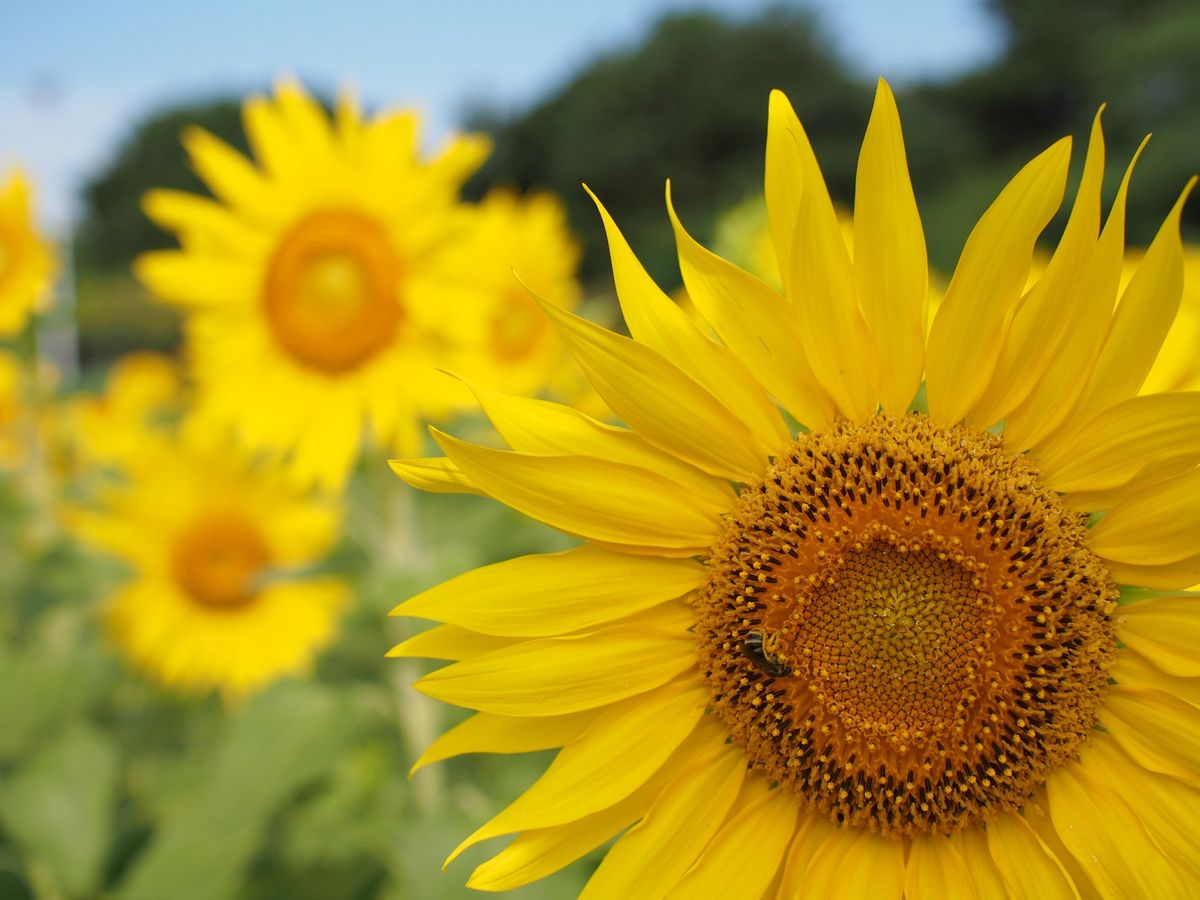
221,596
314,283
915,648
26,263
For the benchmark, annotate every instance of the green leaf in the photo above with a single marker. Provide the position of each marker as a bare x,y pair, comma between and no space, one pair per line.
273,746
59,808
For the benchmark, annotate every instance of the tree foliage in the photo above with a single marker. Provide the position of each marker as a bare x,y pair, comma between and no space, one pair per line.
689,102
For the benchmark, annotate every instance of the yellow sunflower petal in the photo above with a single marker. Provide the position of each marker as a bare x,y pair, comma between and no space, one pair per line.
1054,395
1168,810
1026,864
555,593
1165,631
624,746
270,138
1144,316
891,269
856,865
783,180
1160,526
1134,673
967,333
435,474
1041,321
652,856
1161,732
659,401
593,498
811,834
935,868
1107,839
539,426
461,156
1123,440
655,320
756,323
1174,576
194,279
231,176
489,733
743,857
539,852
310,128
183,212
839,346
447,642
985,877
389,143
552,676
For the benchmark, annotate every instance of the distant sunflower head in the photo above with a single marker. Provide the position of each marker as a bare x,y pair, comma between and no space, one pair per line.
314,280
504,340
142,400
933,642
221,593
26,262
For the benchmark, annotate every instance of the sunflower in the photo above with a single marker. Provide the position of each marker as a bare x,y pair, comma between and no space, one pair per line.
514,347
911,648
11,403
221,594
314,283
26,264
143,397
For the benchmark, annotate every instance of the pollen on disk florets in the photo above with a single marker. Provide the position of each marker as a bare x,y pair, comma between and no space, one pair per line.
902,626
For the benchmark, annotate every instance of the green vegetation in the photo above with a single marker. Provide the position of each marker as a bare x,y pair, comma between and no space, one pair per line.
111,787
689,103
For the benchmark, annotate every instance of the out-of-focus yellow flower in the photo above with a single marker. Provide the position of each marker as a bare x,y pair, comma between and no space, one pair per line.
221,595
316,283
26,263
744,237
516,245
143,397
10,409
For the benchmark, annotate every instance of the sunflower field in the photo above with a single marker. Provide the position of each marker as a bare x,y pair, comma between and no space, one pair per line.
388,516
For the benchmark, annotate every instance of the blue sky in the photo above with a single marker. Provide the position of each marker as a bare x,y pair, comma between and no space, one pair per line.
75,75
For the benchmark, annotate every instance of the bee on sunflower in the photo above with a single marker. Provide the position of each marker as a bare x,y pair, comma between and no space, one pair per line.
935,641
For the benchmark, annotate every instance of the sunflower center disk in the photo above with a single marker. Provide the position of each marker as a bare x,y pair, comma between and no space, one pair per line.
904,628
331,291
217,560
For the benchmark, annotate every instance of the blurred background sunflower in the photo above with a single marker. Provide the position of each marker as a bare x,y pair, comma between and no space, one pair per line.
240,249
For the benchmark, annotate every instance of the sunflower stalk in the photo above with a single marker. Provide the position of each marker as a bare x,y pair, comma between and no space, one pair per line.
400,552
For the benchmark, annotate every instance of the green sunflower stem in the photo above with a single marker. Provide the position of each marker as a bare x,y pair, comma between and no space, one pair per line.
400,555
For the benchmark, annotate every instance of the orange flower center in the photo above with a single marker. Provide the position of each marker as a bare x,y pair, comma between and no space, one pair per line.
218,559
904,628
331,293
